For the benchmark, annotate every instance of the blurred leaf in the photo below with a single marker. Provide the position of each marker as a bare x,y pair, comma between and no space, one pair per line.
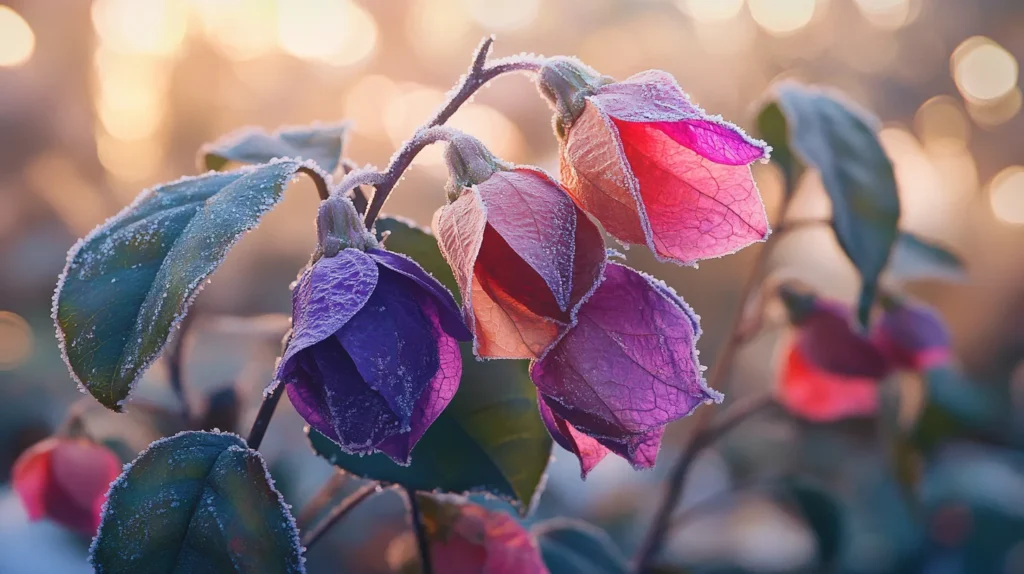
840,141
130,281
915,258
824,517
771,126
322,143
575,547
223,410
957,407
196,502
470,539
490,438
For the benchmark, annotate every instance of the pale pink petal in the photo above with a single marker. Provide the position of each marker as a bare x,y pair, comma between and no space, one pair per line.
696,208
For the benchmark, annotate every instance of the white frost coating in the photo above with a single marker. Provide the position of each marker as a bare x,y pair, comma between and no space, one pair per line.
335,129
121,482
193,288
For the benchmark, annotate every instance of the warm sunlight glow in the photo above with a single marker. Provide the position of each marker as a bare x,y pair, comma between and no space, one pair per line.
153,27
130,94
940,122
240,29
1006,195
887,14
369,99
441,28
782,17
503,15
983,70
17,42
707,11
337,32
992,113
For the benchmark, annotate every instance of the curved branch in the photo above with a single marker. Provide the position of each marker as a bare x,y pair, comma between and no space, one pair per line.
480,72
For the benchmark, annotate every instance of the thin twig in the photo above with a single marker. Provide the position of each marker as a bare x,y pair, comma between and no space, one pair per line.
321,184
796,224
175,362
479,74
259,426
321,499
339,512
416,518
652,543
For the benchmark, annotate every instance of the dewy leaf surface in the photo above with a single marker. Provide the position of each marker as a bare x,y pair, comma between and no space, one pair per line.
196,503
129,282
575,547
490,437
322,143
841,142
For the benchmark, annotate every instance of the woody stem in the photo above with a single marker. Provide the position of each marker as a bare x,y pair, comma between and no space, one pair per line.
259,426
480,72
703,434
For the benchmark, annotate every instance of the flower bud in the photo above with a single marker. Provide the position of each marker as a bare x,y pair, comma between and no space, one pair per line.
469,163
565,82
339,226
66,480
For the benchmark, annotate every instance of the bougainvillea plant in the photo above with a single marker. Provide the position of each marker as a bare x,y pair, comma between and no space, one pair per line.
447,363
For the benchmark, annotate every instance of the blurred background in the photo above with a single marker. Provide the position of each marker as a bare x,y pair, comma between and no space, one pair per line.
99,100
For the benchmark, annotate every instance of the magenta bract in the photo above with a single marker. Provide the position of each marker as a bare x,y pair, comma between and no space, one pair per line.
624,370
524,257
829,340
657,170
373,358
912,336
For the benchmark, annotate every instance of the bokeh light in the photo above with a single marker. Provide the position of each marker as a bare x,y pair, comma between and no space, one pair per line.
337,32
940,122
886,14
708,11
153,27
996,112
240,29
1006,195
17,42
130,94
503,15
441,28
983,69
15,341
782,17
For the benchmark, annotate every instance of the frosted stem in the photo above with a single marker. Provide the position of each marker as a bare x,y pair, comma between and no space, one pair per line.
480,72
259,426
339,512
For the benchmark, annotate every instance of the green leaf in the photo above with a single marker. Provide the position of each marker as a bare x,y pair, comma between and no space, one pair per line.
771,127
823,514
841,142
916,258
956,408
321,143
192,503
489,439
129,283
575,547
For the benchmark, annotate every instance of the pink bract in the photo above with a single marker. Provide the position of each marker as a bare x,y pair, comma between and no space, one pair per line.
67,481
626,368
656,170
812,393
524,256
